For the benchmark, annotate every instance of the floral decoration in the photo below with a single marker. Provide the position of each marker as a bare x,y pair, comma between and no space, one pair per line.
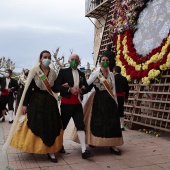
139,67
124,15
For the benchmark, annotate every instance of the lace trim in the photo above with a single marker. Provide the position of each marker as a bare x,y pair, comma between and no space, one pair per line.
51,78
100,85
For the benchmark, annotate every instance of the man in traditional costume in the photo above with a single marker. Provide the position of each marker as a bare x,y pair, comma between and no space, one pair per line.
8,87
71,82
122,92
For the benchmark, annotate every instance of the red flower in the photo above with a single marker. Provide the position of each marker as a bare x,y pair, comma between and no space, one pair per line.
130,70
145,73
168,49
156,65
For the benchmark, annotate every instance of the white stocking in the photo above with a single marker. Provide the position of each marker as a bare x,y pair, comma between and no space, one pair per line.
114,147
122,122
52,155
10,112
81,136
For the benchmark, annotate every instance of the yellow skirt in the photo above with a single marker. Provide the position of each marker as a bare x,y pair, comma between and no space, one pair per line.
26,141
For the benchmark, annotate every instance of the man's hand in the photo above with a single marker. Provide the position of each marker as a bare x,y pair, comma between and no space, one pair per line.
76,90
79,90
9,90
73,90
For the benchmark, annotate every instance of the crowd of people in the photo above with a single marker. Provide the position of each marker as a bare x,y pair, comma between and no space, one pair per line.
39,123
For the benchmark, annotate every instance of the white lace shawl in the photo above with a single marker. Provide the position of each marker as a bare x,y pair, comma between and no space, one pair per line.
94,76
51,78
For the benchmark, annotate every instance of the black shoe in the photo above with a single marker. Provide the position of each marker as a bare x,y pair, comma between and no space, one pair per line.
116,152
123,129
3,119
91,146
86,154
10,122
62,150
52,159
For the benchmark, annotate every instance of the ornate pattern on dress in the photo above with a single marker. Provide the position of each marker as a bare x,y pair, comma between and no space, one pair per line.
51,78
100,85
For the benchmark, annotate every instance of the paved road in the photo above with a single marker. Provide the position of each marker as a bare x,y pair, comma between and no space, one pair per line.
140,152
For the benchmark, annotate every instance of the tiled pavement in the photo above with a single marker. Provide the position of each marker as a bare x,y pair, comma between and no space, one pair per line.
140,152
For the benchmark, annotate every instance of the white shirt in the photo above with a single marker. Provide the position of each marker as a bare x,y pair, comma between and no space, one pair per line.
7,83
75,77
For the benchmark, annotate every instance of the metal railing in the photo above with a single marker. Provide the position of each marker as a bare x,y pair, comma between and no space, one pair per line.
90,5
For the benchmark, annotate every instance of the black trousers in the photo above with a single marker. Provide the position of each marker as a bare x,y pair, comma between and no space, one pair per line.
74,111
121,100
7,99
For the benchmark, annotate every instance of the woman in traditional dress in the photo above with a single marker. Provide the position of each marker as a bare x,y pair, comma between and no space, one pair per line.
101,112
37,127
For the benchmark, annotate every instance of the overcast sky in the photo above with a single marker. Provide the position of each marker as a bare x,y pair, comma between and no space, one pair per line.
29,26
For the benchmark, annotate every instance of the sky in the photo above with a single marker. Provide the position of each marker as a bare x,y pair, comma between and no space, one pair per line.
28,27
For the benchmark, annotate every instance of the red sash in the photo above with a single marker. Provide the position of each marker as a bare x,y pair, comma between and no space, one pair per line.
120,94
5,92
72,100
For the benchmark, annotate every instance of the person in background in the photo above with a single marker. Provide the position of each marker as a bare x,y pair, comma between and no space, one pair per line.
37,127
71,83
8,87
122,92
21,82
101,114
111,55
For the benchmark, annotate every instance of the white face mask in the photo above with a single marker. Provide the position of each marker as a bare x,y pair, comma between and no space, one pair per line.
6,74
46,62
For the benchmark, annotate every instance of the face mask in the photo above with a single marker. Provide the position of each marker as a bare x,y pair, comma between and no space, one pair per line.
6,74
74,63
46,62
26,74
105,64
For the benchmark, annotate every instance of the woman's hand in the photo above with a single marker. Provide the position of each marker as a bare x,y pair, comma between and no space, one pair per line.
24,110
66,85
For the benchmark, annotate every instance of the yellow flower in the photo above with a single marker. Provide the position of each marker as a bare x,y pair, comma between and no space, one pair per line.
164,49
146,81
168,57
153,73
163,67
128,78
138,67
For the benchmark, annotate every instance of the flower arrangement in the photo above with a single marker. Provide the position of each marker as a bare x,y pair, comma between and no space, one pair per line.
139,67
133,65
124,15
